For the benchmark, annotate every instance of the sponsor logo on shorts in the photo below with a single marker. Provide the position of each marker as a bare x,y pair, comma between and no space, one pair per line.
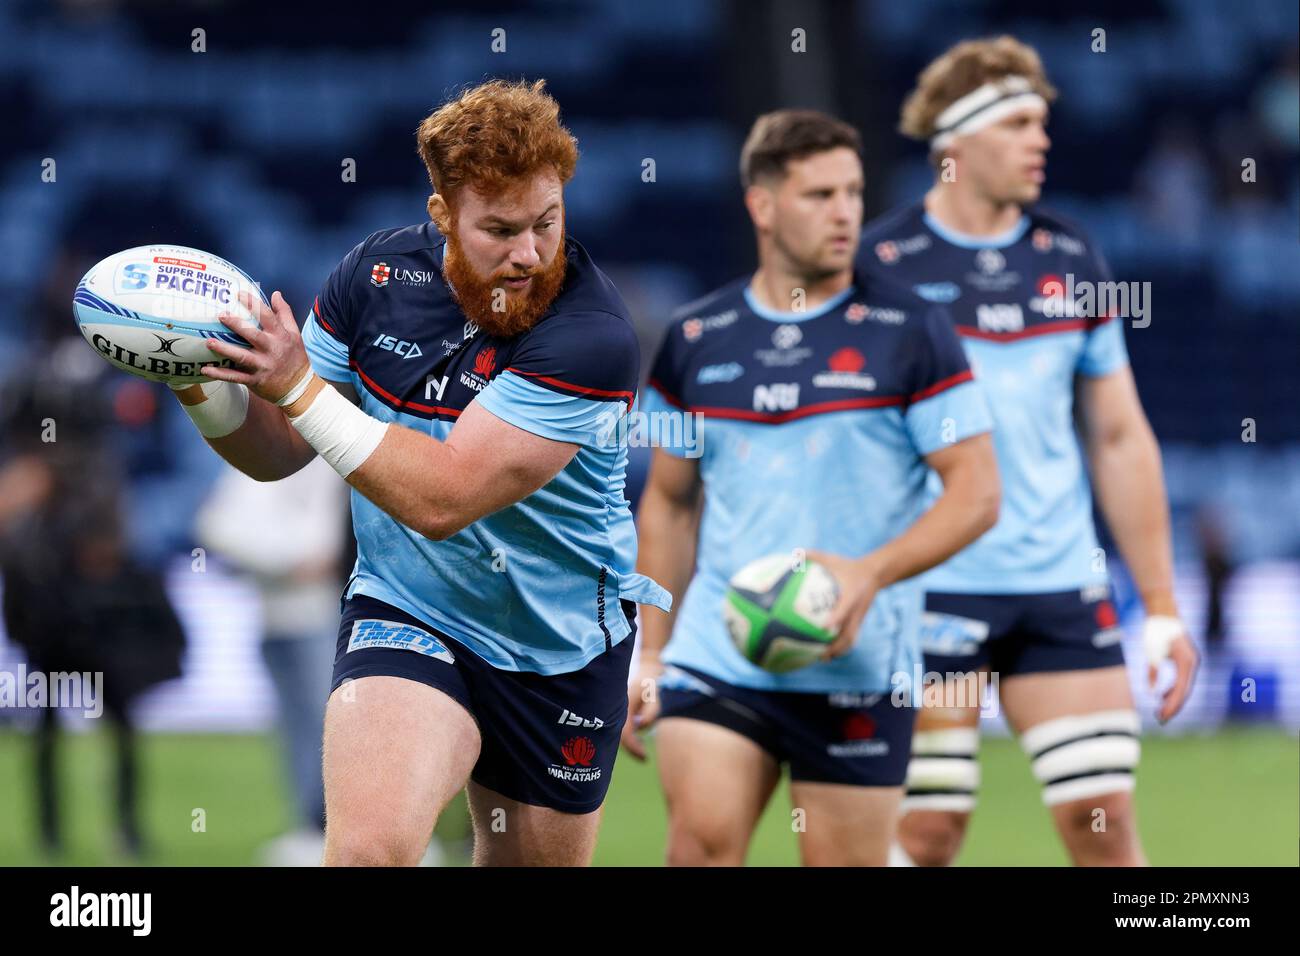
674,678
1109,632
852,699
397,636
1093,593
859,733
951,634
578,753
570,719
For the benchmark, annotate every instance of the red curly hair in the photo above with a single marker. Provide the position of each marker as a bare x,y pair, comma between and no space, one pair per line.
493,135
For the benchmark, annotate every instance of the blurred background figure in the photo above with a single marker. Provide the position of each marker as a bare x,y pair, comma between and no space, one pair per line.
288,537
75,599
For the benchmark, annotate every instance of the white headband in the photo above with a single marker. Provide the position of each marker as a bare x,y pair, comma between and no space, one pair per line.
983,107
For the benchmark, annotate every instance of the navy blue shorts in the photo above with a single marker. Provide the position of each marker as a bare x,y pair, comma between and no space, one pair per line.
549,741
858,739
1021,633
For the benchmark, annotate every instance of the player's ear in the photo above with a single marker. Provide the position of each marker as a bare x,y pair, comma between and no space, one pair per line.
759,202
439,213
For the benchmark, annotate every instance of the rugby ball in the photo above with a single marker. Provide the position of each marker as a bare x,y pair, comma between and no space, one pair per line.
151,310
776,610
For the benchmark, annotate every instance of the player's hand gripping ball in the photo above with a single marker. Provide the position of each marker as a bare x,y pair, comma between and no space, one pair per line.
777,609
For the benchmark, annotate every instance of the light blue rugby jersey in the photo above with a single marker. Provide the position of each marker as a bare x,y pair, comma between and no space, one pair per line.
815,429
1027,348
535,586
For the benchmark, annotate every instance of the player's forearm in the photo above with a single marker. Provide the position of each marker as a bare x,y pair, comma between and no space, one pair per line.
967,508
666,541
264,447
1129,481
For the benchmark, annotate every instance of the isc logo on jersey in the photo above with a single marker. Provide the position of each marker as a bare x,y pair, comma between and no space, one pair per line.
391,344
780,397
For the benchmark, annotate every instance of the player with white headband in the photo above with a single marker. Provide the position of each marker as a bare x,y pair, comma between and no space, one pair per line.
1030,600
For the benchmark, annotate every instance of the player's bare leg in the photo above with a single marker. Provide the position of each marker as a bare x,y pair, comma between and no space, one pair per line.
1066,717
933,824
846,825
396,752
510,833
716,783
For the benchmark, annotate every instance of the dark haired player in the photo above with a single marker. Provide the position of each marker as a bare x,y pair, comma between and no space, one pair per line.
824,399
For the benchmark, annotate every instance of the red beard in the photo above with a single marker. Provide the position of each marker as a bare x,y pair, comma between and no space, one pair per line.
512,314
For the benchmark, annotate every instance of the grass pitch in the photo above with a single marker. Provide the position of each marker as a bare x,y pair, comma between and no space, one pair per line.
1227,799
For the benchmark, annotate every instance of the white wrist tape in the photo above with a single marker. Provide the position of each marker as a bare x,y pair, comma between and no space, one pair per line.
223,410
1158,634
296,391
341,433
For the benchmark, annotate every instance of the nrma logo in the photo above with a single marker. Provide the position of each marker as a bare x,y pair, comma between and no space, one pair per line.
390,344
781,397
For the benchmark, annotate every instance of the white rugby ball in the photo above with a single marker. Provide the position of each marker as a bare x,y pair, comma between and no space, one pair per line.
151,310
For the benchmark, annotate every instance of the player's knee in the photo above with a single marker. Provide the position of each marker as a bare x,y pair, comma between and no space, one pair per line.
1084,755
1101,830
374,843
1085,763
703,843
942,779
932,837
